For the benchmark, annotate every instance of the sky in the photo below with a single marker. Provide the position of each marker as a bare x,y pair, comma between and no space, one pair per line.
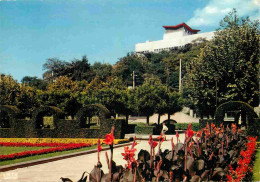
31,31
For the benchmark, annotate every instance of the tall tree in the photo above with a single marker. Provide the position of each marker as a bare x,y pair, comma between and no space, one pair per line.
102,71
228,66
34,82
125,67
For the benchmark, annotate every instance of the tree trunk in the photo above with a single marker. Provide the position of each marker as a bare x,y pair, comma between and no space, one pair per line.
159,118
169,116
126,119
147,120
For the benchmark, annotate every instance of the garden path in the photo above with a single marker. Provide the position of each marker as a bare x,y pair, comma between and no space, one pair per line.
72,167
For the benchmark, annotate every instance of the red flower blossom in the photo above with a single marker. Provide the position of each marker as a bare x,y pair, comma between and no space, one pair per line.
160,138
212,126
189,132
109,139
153,144
58,147
199,134
177,134
129,156
99,147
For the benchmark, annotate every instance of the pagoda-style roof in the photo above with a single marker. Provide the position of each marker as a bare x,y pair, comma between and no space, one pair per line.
175,27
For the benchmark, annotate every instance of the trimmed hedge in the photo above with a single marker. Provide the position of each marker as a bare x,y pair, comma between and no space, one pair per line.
140,129
90,110
22,128
38,113
12,112
184,126
254,128
234,105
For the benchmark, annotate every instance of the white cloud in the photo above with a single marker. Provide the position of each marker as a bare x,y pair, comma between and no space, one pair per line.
215,10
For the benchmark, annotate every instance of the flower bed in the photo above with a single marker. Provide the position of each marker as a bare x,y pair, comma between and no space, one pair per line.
211,154
55,147
92,141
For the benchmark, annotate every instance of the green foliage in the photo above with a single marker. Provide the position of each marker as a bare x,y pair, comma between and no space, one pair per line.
184,126
34,82
16,94
22,128
76,70
102,71
125,67
228,65
139,129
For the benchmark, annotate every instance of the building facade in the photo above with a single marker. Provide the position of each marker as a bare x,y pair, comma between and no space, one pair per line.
174,37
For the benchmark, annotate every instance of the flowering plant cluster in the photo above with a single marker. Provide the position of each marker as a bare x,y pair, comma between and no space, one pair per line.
210,154
244,165
92,141
55,147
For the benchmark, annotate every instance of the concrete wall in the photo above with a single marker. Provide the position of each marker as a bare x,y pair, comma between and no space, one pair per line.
171,42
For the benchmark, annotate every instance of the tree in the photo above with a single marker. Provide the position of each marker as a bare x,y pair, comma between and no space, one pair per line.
16,94
145,99
102,71
228,66
77,70
54,68
125,67
34,82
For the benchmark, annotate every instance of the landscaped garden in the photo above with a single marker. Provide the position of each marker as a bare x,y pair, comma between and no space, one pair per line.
214,153
15,150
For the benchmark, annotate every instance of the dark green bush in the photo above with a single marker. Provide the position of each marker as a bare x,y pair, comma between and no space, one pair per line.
184,126
139,129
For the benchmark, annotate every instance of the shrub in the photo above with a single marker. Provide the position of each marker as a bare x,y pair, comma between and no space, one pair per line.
144,129
210,154
184,126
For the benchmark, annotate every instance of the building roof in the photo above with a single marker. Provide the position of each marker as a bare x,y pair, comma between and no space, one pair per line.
179,26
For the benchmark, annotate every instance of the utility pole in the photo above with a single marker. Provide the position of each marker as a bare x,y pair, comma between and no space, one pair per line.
167,78
180,78
133,75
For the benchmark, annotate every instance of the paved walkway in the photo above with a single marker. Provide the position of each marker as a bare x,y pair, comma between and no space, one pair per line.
72,167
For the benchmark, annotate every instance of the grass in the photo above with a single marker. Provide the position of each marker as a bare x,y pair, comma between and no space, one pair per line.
256,170
4,150
26,159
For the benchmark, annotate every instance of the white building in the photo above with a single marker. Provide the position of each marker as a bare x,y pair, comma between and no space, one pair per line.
174,37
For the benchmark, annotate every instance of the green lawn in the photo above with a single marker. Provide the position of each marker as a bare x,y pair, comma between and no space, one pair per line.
256,171
25,159
4,150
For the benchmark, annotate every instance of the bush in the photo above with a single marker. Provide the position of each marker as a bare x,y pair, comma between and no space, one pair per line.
139,129
184,126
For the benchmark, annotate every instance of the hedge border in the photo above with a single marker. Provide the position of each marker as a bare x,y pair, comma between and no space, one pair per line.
13,113
237,105
57,114
89,110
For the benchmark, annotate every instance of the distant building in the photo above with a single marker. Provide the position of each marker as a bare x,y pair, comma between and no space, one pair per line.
174,37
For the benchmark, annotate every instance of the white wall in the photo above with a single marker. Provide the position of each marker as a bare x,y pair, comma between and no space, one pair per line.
166,44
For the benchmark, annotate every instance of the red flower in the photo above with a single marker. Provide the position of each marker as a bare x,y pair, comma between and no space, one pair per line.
99,147
109,139
212,126
153,144
129,155
199,134
160,138
177,134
